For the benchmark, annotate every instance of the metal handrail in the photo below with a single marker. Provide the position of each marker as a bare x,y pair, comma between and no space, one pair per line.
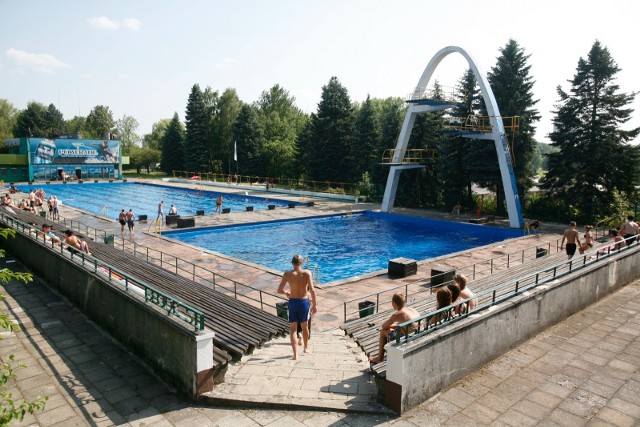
435,320
494,264
207,277
289,183
87,230
129,283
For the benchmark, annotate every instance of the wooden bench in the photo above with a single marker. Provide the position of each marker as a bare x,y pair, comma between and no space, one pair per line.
239,327
366,331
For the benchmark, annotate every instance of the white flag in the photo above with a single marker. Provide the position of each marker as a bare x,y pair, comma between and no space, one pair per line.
235,151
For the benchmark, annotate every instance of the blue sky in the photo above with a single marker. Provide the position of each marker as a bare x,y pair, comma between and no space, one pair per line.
141,58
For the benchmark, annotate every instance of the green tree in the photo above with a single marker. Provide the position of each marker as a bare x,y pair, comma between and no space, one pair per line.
196,153
126,128
455,151
332,134
594,160
99,122
10,408
221,124
249,138
143,157
55,123
158,130
8,117
75,125
421,187
392,111
364,152
173,146
281,121
32,121
512,86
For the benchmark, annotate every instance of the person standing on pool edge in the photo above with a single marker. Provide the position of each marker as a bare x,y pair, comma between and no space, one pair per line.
300,282
160,212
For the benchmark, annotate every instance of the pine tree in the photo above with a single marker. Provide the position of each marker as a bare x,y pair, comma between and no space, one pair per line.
512,87
427,134
173,146
54,122
594,161
364,151
392,114
196,153
454,151
249,140
332,134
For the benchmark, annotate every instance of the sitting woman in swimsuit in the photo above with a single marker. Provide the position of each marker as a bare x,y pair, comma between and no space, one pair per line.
588,239
73,242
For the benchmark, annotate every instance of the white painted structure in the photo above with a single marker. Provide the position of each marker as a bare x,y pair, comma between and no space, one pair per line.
497,135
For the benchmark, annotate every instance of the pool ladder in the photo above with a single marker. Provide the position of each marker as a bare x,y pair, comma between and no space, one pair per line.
104,211
315,271
157,227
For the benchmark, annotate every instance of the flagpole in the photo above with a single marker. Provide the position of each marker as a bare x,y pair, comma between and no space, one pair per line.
235,157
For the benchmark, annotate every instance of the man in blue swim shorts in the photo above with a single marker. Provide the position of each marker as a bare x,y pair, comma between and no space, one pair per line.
301,285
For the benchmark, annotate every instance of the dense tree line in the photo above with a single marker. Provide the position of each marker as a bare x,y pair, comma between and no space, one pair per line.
342,142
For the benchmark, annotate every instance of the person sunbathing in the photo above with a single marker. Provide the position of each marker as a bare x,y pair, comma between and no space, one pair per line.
73,241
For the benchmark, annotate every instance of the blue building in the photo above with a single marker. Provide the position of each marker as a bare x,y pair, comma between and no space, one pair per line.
42,159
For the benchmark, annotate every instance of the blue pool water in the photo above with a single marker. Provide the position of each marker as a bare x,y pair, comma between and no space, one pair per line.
144,198
344,247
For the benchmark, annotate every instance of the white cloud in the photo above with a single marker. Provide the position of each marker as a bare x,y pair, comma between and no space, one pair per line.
103,23
41,62
123,76
132,24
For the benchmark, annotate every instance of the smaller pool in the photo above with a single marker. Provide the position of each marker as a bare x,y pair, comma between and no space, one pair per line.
109,198
343,246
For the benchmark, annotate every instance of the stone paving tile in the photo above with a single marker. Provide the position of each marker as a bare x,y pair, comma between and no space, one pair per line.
616,418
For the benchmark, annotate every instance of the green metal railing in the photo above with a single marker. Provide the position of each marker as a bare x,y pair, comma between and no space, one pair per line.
480,268
199,274
418,327
132,285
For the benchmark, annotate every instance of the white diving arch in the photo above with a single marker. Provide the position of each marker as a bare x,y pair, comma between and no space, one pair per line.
497,135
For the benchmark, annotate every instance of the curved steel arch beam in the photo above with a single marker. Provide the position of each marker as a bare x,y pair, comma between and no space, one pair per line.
502,148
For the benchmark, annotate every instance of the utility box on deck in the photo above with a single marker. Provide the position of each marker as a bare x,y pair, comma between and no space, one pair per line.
402,267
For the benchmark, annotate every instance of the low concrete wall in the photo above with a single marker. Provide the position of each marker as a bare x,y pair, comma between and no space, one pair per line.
182,356
419,369
343,197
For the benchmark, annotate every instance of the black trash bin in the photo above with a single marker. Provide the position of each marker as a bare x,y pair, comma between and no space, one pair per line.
366,308
282,310
540,252
108,239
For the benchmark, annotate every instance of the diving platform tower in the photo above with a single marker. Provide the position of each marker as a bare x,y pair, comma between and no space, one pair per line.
403,159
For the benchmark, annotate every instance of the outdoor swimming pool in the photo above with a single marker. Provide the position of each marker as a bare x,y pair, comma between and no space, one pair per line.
343,246
108,199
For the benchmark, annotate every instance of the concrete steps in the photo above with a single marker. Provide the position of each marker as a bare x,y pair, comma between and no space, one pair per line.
333,377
